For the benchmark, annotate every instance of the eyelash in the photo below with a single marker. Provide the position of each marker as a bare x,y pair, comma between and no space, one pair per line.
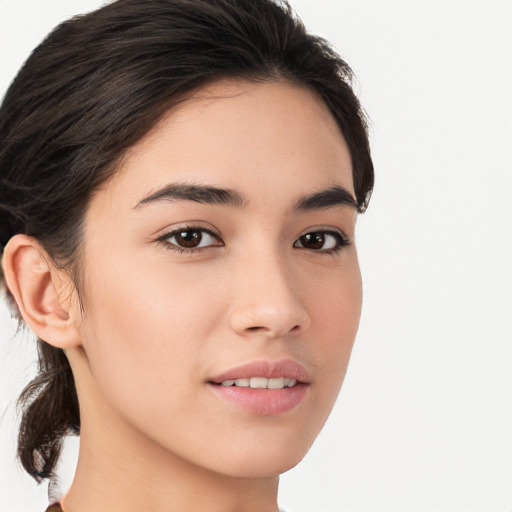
342,241
164,239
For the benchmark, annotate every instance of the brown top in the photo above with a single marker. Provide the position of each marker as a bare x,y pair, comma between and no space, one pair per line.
54,508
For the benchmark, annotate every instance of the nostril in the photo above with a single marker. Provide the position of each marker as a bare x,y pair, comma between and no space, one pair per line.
270,321
269,330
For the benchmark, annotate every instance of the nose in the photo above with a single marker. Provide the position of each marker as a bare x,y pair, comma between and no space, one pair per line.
266,302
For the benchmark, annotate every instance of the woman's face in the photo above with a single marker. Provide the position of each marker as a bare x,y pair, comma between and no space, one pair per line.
223,250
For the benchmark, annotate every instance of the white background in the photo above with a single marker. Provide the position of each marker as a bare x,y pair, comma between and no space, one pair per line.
424,420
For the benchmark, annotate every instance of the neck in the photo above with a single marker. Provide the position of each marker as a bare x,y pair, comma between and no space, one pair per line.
121,485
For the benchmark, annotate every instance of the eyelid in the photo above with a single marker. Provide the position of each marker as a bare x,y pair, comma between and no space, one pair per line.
176,229
342,239
326,229
191,225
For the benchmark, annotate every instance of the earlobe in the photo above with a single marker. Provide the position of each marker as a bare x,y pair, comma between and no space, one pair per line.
39,290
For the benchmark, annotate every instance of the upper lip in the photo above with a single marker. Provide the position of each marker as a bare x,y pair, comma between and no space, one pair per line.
286,368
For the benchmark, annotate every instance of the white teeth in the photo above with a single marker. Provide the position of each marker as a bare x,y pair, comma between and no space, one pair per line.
276,383
261,383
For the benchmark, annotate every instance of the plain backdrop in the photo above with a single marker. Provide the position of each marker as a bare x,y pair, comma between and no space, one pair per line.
424,419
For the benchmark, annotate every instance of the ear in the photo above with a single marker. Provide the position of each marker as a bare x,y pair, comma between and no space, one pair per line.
44,294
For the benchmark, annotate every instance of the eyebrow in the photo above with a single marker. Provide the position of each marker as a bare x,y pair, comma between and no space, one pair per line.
328,198
207,194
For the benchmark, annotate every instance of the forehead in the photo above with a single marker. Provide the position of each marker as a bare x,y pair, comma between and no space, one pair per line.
250,137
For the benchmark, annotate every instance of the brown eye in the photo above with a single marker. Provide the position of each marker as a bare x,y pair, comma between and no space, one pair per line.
188,239
321,240
312,240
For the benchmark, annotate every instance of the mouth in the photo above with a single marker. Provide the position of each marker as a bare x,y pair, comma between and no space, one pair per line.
264,375
260,383
263,387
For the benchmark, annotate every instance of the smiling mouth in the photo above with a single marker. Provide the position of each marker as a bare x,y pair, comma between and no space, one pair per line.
260,383
262,396
264,388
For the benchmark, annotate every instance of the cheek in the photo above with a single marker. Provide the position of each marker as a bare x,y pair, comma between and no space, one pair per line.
337,311
145,334
335,300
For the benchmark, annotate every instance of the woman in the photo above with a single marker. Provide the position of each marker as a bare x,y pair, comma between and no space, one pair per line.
180,183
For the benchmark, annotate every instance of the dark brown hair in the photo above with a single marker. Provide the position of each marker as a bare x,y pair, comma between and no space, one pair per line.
92,89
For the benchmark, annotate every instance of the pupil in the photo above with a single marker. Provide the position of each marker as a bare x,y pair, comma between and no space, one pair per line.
313,240
189,238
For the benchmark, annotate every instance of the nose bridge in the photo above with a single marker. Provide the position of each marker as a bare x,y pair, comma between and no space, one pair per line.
266,301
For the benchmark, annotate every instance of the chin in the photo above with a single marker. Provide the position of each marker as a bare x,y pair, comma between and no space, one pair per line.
271,467
264,459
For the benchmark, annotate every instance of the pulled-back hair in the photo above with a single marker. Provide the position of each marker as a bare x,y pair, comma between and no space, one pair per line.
94,87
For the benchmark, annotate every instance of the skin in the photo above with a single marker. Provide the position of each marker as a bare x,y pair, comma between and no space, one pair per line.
160,323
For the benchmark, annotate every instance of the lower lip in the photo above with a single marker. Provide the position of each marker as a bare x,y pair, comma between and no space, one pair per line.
265,402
